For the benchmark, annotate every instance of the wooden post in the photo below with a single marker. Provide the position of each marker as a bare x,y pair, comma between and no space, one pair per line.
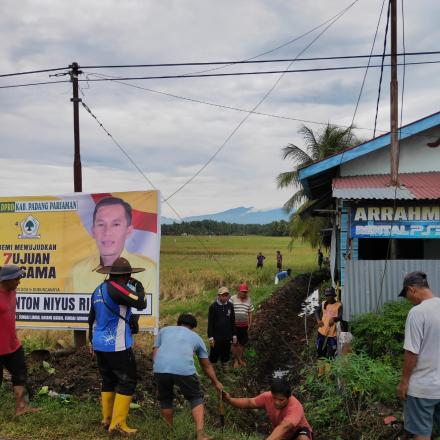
394,150
79,336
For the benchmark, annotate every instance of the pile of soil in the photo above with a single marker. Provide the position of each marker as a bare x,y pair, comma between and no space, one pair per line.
76,373
278,334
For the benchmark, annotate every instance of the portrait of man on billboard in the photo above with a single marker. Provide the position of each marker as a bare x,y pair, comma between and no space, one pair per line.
112,226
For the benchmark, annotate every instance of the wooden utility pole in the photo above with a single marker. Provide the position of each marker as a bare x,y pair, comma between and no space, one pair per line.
79,336
394,151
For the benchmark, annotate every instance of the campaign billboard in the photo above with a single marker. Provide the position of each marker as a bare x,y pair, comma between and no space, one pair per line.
395,221
60,241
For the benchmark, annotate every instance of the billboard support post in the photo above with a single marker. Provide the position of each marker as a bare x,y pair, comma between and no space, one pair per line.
79,336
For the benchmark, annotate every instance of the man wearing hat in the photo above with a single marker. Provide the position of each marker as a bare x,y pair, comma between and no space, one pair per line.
327,314
173,356
11,351
243,309
221,328
420,382
111,322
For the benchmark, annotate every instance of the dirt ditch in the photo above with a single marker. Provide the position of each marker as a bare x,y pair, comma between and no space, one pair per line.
278,335
76,373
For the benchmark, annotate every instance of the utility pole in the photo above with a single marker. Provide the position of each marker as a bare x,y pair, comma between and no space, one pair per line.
79,336
394,108
394,104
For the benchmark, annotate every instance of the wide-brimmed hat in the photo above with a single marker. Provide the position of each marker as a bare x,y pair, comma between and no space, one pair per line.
11,272
121,266
414,279
222,290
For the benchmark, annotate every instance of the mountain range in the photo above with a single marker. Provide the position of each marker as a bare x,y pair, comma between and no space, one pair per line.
239,215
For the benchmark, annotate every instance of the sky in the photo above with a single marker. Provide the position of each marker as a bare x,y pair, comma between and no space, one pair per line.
170,139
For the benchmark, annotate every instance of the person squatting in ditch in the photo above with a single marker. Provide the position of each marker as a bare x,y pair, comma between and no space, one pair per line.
111,324
284,411
327,314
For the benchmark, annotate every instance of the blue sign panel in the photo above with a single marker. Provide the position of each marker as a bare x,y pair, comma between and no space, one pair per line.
395,222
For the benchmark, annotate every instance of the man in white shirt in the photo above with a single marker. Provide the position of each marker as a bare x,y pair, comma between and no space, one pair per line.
420,382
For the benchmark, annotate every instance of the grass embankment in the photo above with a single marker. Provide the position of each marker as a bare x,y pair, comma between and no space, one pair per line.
190,273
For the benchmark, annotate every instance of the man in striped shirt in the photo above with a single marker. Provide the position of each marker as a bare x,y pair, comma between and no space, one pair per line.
243,309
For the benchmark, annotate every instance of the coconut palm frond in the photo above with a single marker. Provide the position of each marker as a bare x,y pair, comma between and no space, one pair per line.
286,179
296,200
311,142
296,154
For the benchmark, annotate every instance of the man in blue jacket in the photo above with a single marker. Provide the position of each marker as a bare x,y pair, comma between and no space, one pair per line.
111,323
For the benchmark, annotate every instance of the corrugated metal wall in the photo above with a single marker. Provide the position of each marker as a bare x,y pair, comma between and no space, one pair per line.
363,279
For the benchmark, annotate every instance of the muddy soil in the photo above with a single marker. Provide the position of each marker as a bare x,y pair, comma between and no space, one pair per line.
278,335
76,373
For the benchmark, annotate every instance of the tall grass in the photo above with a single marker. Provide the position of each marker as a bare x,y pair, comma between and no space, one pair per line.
192,265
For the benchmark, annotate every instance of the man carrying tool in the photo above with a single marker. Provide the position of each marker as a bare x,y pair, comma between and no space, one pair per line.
327,314
420,382
221,328
284,411
243,309
173,356
11,351
111,324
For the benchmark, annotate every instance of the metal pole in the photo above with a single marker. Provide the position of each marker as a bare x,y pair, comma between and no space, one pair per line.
394,151
79,336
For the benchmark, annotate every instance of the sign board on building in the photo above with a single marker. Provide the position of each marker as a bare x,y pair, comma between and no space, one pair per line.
60,240
395,222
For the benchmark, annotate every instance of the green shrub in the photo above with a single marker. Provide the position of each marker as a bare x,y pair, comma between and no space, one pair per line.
381,335
338,392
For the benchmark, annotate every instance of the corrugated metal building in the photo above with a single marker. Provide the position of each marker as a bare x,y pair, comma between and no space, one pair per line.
381,232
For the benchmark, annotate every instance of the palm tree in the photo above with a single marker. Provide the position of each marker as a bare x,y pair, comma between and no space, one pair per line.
318,145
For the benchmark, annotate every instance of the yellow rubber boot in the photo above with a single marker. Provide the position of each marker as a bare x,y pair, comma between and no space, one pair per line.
120,414
107,401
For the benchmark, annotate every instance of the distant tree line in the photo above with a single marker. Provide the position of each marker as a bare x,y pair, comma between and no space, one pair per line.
211,227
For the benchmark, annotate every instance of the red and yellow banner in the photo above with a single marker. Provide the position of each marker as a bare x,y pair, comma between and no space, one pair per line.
60,240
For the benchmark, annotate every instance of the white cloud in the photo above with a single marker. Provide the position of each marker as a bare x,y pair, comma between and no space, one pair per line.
171,139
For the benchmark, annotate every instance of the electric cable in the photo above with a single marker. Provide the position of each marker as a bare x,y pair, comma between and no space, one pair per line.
31,72
253,73
265,96
395,189
252,61
150,182
368,65
382,65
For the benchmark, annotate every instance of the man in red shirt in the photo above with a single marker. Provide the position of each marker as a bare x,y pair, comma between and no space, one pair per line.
284,411
11,351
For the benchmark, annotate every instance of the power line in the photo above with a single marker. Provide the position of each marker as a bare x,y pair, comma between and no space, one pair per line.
268,72
30,72
34,84
238,109
395,189
222,63
382,65
232,63
287,43
261,72
124,152
368,65
265,96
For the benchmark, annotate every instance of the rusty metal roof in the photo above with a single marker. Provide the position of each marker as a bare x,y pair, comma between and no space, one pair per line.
413,186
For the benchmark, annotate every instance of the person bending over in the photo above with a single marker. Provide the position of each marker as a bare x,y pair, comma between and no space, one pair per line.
284,411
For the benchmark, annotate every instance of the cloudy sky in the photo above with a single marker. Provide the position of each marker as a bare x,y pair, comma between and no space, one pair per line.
170,139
